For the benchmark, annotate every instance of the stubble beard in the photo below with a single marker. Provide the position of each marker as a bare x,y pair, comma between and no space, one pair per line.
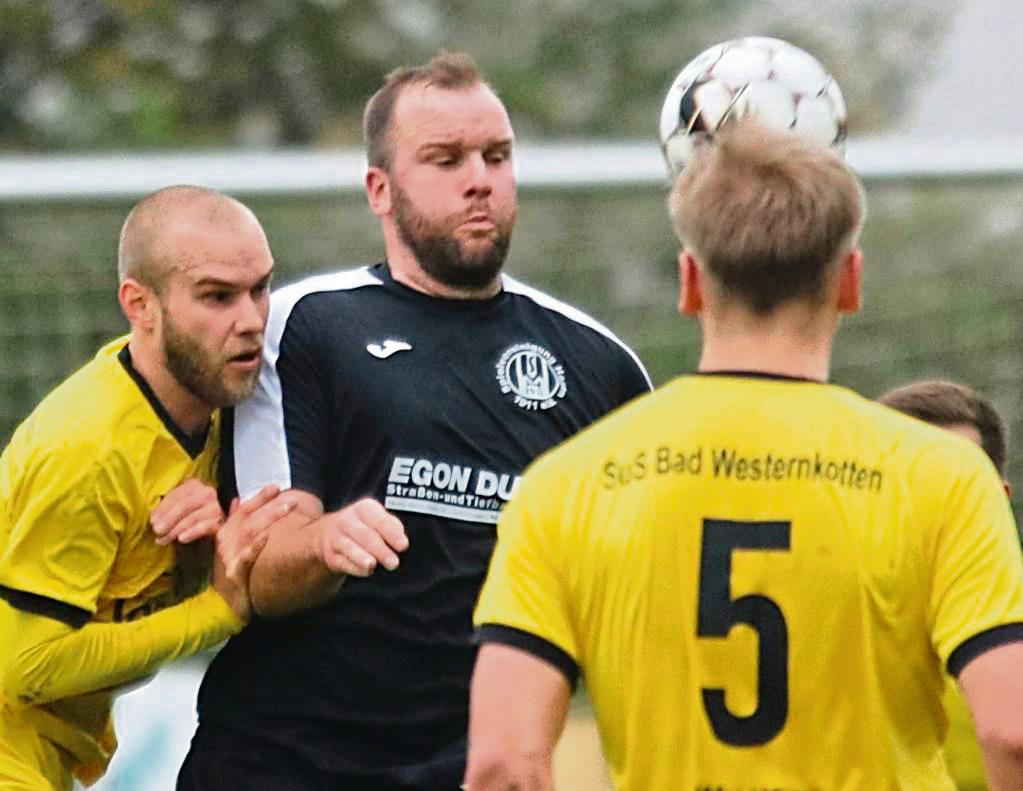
443,257
200,375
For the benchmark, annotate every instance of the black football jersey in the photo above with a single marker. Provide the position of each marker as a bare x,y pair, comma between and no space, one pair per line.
434,407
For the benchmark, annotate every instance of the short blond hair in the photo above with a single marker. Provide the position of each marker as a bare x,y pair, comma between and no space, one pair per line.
768,213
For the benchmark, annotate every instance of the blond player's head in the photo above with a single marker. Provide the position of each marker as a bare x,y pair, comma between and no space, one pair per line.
767,216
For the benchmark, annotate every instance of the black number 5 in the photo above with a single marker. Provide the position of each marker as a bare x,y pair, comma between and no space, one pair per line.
718,612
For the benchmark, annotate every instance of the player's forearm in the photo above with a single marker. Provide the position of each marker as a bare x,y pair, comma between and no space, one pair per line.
517,711
289,575
49,660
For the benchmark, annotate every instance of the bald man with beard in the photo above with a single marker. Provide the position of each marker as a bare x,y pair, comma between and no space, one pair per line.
89,601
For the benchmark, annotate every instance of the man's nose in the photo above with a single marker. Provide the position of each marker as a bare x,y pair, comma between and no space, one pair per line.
478,178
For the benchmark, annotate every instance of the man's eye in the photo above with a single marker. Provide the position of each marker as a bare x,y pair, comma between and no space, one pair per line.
217,297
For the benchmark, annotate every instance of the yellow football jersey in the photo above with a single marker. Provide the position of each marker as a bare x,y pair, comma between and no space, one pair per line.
761,580
77,483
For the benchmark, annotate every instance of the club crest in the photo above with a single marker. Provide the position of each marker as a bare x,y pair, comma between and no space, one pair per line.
532,376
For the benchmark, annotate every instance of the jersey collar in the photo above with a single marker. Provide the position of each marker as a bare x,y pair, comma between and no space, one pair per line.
192,444
467,305
760,375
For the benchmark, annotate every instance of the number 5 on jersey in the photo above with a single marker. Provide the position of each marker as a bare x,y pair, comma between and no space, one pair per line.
718,612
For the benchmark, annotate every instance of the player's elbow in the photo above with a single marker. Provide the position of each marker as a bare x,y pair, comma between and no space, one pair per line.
1002,739
22,680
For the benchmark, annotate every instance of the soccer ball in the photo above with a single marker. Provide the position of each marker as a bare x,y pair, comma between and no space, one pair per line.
780,84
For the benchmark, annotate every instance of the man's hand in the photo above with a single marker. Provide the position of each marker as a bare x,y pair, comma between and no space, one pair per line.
188,512
360,536
240,540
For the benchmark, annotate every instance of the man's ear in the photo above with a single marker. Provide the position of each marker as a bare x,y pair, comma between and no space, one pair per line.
138,303
378,191
850,282
690,286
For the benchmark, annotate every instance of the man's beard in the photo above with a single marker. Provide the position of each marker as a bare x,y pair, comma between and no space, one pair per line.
199,373
442,256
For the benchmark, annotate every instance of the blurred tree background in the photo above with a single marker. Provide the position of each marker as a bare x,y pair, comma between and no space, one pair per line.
103,74
98,75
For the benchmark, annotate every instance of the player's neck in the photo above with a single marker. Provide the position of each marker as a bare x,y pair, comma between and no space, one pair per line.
775,353
406,269
791,340
188,412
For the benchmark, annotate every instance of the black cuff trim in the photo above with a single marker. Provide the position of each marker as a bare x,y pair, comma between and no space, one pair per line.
980,643
75,617
531,644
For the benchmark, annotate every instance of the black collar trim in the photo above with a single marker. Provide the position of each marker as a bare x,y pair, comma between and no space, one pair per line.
760,375
193,444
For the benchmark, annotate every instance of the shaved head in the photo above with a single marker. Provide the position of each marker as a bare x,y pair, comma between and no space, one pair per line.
146,251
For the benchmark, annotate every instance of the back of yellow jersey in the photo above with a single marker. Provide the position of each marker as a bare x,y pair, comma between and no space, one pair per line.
760,580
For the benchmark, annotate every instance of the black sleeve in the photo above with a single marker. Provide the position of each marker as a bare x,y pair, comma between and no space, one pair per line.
634,379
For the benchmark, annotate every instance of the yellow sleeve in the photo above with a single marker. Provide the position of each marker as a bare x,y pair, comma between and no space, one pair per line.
976,599
525,589
42,659
66,523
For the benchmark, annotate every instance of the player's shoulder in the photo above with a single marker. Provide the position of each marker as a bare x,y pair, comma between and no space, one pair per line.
284,298
569,317
909,442
931,448
558,309
91,402
96,418
326,282
316,291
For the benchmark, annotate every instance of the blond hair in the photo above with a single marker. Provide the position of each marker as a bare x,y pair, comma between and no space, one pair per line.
767,213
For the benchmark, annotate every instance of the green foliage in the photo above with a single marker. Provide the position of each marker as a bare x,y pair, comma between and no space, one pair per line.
168,73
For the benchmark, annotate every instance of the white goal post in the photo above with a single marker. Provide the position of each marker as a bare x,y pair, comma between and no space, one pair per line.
550,165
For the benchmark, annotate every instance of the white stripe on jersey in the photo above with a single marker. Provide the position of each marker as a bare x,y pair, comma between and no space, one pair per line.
513,286
259,421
